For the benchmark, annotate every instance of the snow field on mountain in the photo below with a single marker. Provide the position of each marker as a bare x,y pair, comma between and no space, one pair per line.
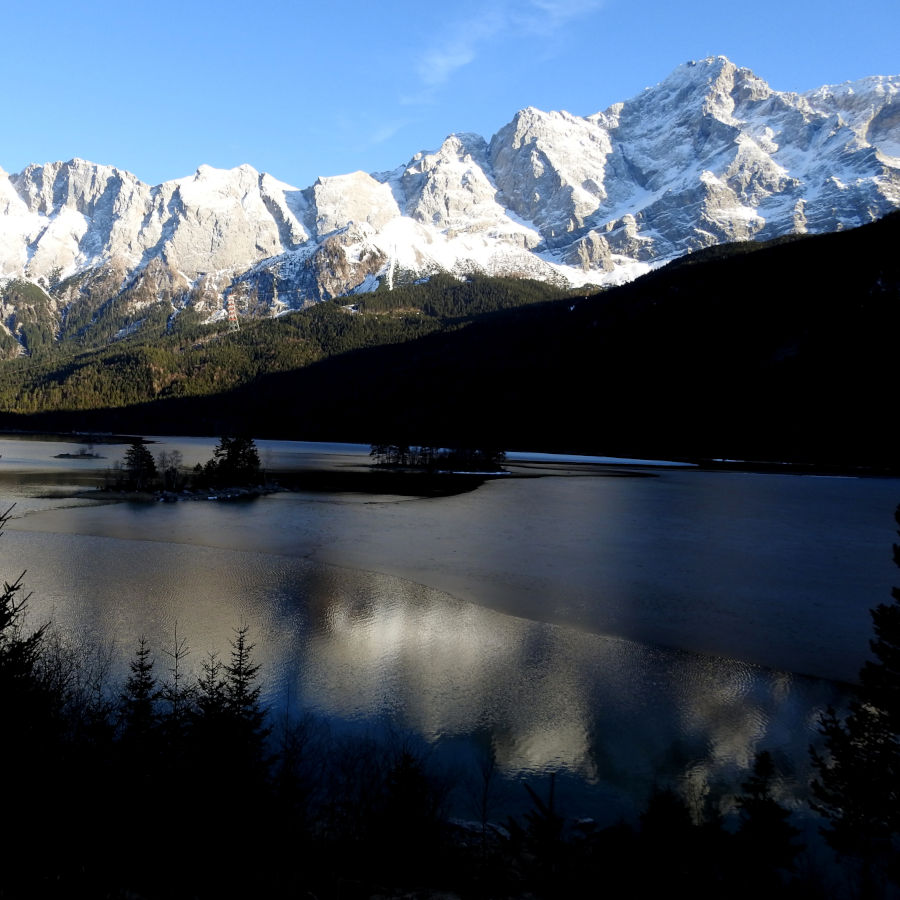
710,154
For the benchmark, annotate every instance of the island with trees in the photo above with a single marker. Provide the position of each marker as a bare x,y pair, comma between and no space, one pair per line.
86,452
448,460
233,471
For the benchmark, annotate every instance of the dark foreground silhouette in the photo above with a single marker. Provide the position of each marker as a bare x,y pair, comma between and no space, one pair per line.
173,785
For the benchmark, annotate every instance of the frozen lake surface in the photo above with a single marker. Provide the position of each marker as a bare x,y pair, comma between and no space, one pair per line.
657,626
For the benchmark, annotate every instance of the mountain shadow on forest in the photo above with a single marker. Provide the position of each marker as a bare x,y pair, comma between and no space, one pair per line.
779,351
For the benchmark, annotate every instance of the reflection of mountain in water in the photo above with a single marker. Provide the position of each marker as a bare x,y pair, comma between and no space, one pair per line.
363,648
368,648
552,698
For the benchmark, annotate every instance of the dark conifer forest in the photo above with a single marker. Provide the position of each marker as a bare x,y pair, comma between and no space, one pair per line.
782,351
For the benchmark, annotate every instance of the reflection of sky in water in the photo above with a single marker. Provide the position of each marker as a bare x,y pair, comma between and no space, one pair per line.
776,570
364,647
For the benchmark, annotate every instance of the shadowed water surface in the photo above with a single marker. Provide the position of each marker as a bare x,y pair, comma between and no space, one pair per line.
618,630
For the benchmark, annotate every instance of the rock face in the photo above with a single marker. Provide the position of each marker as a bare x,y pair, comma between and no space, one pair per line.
711,154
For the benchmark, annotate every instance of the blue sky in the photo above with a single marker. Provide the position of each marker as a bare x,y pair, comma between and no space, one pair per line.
302,90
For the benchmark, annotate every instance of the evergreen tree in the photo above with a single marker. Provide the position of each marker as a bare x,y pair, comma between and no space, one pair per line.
25,692
542,838
210,703
242,694
765,836
235,462
138,700
177,693
19,655
229,769
24,698
34,756
140,469
858,785
228,719
687,846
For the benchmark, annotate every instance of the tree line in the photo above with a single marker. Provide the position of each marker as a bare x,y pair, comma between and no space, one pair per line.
234,463
171,784
430,459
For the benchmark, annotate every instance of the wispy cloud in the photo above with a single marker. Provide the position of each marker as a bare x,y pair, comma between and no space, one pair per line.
440,63
460,46
385,131
564,10
464,40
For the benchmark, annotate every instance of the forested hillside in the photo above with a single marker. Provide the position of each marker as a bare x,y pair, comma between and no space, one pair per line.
188,359
782,351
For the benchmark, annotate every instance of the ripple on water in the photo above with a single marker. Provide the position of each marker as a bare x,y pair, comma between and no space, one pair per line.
363,647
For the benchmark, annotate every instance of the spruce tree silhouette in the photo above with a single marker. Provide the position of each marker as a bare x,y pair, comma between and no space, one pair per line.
178,694
242,700
32,739
138,714
235,462
139,466
765,838
230,766
857,788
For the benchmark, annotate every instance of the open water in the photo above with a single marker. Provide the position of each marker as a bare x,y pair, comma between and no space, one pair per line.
621,626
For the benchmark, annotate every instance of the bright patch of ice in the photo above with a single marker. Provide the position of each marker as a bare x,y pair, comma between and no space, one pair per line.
525,456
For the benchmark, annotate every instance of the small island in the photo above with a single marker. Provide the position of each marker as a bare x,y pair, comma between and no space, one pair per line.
234,471
444,460
83,453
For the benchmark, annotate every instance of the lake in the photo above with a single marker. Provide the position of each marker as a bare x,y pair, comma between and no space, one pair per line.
619,625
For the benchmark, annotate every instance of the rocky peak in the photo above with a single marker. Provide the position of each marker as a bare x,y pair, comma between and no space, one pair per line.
709,154
451,189
78,185
550,169
869,106
358,197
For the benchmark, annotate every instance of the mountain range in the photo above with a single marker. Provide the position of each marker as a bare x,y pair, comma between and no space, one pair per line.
710,155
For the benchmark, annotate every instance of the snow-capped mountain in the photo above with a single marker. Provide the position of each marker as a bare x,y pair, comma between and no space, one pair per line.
711,154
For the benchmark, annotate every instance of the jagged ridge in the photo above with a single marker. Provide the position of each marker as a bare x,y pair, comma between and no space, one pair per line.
711,154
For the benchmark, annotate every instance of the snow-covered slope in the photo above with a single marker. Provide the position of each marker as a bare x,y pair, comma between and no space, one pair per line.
711,154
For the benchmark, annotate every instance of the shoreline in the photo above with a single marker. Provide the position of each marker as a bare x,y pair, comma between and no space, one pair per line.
617,464
362,480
